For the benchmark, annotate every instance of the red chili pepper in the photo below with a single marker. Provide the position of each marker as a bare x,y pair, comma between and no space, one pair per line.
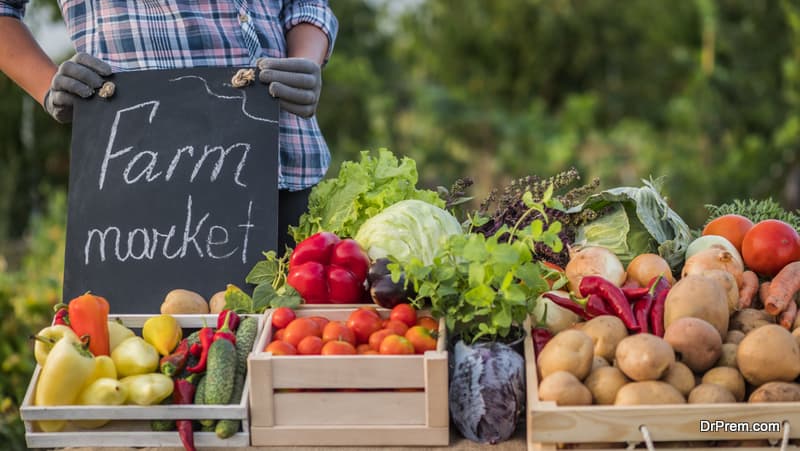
613,296
657,313
644,304
540,336
62,315
225,333
173,363
634,293
596,307
183,393
233,322
568,304
325,269
206,338
196,349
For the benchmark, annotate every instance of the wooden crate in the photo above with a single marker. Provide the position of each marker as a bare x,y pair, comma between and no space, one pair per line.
130,424
550,427
379,414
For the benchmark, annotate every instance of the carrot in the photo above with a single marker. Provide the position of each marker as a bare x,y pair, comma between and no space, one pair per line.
783,288
763,290
748,289
788,316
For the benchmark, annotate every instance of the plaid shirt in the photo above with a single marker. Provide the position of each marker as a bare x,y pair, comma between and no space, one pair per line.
165,34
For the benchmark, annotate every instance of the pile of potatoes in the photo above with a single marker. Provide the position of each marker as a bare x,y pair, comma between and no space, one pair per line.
705,356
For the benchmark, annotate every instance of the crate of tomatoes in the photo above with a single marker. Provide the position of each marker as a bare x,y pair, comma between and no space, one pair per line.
361,376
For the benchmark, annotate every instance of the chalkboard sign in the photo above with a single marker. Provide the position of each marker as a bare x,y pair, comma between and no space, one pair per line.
173,184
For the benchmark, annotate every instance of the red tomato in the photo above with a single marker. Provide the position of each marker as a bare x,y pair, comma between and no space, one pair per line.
405,313
320,320
769,246
363,322
397,326
338,348
422,339
282,316
338,331
301,328
396,345
377,338
310,345
428,322
280,348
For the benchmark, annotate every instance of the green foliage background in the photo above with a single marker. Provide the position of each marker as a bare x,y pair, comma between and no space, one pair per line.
704,92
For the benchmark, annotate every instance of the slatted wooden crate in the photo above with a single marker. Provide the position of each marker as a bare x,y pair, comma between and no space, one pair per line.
130,425
551,427
390,400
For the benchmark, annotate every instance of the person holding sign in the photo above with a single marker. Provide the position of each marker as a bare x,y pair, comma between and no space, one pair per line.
288,40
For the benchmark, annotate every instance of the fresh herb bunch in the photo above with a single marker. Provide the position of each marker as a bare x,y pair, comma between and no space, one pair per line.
505,207
485,286
755,210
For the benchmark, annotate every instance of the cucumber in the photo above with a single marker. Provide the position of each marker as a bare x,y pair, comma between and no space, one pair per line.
220,372
200,398
226,428
193,338
162,425
245,339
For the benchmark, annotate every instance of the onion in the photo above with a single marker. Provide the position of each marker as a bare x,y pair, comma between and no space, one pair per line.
644,267
558,318
714,258
593,261
706,241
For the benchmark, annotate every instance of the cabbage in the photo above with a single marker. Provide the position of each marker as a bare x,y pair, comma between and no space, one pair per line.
409,228
635,221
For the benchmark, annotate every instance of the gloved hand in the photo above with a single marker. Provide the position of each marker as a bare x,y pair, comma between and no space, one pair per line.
295,81
77,77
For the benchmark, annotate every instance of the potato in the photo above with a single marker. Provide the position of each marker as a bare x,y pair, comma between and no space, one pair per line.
604,383
648,392
728,357
776,392
796,334
570,350
606,332
730,378
728,284
696,342
748,319
598,362
734,337
710,394
699,297
217,302
768,354
185,302
644,357
679,376
564,389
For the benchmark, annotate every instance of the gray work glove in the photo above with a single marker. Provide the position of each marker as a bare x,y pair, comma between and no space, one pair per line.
295,81
79,76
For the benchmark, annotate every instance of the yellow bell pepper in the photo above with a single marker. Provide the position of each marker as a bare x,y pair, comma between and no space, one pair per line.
147,389
104,391
47,339
117,333
134,356
68,366
163,332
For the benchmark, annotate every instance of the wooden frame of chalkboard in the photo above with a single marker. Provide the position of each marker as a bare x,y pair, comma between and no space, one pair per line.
173,184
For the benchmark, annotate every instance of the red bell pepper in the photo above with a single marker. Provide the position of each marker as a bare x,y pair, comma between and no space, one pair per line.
325,269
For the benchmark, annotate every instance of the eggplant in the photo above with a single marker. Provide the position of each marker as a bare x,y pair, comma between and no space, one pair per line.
386,293
378,269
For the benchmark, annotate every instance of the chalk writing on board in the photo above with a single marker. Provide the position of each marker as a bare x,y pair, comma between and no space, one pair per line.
224,97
